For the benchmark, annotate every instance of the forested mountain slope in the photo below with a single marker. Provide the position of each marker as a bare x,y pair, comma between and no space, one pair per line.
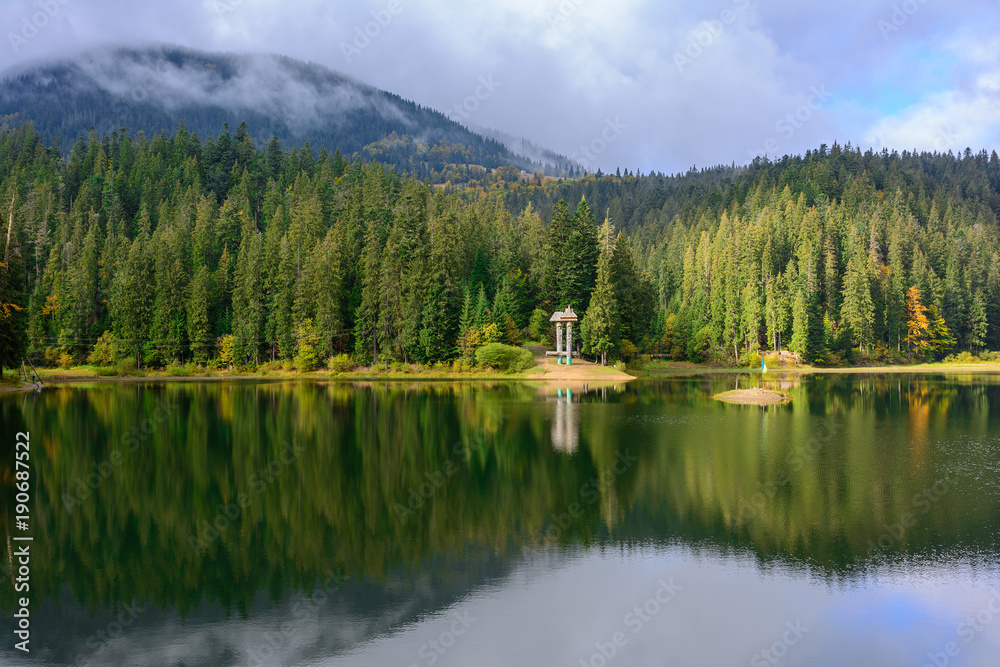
169,250
157,89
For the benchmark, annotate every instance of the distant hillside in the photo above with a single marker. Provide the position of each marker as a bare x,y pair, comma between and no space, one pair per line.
155,89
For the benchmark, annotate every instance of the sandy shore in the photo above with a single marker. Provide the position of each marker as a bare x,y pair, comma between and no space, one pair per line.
547,369
754,396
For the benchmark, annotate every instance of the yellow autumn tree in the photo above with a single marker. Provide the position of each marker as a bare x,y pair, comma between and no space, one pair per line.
917,325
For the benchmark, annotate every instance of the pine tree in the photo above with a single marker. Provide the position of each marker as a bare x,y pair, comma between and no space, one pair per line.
628,288
979,324
171,278
556,236
326,284
511,299
248,313
859,309
13,312
480,273
366,342
199,327
940,340
600,325
132,300
578,268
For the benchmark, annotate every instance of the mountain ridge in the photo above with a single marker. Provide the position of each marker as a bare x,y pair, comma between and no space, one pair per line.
157,88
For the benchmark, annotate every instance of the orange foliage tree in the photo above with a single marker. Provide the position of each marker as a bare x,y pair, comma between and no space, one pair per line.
917,325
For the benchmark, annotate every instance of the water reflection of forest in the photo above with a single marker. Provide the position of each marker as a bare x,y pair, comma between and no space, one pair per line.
387,475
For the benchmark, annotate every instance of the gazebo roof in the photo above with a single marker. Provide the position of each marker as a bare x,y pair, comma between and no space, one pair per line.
564,316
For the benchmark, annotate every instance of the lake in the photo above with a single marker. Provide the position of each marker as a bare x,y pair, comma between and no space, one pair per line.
433,523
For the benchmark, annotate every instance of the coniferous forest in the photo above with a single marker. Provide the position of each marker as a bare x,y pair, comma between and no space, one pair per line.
173,249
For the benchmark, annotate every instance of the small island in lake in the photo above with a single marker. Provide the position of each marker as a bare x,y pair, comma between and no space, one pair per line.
754,396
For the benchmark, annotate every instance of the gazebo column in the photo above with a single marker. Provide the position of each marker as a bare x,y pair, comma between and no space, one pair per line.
558,337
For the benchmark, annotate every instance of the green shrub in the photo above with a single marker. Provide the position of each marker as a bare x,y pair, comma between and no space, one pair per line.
306,360
52,356
175,369
963,357
106,371
341,363
701,344
65,361
127,367
225,346
504,358
269,367
104,352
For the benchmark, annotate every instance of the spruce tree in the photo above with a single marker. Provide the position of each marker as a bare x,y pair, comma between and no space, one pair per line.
132,300
199,327
859,310
600,326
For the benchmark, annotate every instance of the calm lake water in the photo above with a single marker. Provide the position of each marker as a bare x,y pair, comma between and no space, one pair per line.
512,524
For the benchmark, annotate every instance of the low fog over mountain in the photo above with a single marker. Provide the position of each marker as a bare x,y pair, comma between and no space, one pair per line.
154,89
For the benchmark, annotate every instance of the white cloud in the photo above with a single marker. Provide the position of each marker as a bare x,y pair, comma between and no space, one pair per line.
948,121
965,115
567,66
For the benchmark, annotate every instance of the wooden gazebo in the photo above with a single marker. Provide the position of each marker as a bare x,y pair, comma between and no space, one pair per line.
564,349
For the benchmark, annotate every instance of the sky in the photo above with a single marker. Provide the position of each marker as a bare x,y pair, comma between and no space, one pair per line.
651,85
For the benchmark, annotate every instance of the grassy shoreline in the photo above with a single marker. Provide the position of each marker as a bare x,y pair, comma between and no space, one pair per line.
678,368
540,373
543,371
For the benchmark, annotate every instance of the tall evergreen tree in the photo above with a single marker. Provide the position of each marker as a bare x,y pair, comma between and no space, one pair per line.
600,326
199,327
859,309
132,300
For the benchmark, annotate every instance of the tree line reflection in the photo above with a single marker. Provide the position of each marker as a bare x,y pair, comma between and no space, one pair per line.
243,487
